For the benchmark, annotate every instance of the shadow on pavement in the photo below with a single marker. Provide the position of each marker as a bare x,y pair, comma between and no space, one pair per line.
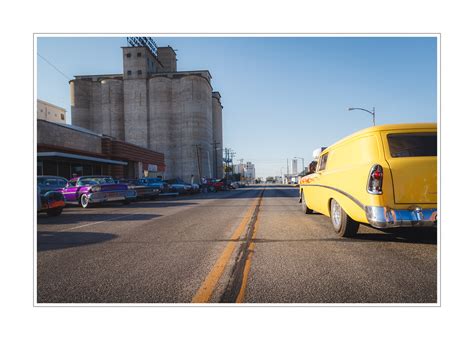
138,204
91,217
242,193
401,236
363,238
62,240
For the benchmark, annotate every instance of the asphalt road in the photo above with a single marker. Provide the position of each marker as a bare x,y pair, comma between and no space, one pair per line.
251,245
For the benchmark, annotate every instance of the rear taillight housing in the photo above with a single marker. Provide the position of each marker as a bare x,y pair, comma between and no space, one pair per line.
374,184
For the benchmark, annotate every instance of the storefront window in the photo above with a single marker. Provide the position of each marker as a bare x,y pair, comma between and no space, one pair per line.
39,168
64,170
50,168
97,169
77,170
87,169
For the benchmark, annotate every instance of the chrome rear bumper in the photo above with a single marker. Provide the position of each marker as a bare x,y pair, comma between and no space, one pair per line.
384,217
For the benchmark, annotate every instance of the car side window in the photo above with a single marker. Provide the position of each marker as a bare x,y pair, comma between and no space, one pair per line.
322,162
71,184
62,183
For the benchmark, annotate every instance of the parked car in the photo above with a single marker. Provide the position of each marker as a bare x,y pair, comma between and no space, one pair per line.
143,191
48,199
86,190
156,183
51,183
216,185
384,176
180,186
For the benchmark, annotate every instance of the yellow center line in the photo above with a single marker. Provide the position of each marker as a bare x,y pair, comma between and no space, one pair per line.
204,293
248,262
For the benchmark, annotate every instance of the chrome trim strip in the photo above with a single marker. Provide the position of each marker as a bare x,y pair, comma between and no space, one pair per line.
355,200
101,196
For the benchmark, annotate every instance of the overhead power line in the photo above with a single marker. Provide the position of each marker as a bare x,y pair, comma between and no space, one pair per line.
52,65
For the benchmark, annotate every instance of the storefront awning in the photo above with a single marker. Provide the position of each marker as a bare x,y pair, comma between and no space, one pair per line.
79,157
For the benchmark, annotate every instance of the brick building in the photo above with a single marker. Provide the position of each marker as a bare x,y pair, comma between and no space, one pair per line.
64,150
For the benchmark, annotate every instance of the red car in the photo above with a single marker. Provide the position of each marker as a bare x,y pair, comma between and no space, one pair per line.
216,185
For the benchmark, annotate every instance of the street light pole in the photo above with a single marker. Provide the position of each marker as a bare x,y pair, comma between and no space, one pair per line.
371,112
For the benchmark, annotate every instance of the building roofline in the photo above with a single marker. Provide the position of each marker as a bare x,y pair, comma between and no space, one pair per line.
81,157
184,73
72,127
86,76
171,48
48,103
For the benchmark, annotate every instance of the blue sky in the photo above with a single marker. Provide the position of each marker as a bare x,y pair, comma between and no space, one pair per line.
283,97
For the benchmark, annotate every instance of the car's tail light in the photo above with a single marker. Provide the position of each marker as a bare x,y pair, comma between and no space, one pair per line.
374,184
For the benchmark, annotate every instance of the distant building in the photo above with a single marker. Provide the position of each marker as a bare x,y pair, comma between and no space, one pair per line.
294,166
239,169
249,171
50,112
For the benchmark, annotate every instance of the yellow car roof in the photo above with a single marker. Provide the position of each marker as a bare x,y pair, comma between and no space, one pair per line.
388,127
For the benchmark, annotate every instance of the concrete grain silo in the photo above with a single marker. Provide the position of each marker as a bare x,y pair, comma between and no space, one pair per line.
218,168
193,117
135,111
80,91
161,124
154,106
112,108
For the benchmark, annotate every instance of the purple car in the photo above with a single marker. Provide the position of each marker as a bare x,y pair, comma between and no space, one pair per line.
86,190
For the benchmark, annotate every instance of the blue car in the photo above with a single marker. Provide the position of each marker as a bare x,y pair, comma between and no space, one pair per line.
49,199
154,183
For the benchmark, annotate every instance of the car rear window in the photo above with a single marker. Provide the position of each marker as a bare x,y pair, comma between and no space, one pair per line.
412,144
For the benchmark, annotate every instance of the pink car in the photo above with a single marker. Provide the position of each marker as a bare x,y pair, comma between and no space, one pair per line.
87,190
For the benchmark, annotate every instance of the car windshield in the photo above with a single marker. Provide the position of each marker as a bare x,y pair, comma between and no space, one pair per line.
412,144
47,181
95,180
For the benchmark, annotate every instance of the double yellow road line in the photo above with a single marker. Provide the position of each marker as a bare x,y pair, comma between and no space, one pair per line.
207,288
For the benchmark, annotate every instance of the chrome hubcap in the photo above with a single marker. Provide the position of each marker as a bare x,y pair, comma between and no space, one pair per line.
84,200
335,213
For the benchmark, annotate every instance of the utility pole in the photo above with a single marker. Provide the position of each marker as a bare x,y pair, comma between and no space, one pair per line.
198,147
242,169
226,161
232,154
215,157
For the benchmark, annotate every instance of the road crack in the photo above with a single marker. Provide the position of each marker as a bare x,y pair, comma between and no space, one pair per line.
236,280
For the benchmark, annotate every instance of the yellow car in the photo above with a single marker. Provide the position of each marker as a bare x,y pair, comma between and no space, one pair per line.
383,176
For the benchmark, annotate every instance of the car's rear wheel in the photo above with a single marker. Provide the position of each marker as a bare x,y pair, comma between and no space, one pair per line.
343,225
84,201
304,207
54,212
126,202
